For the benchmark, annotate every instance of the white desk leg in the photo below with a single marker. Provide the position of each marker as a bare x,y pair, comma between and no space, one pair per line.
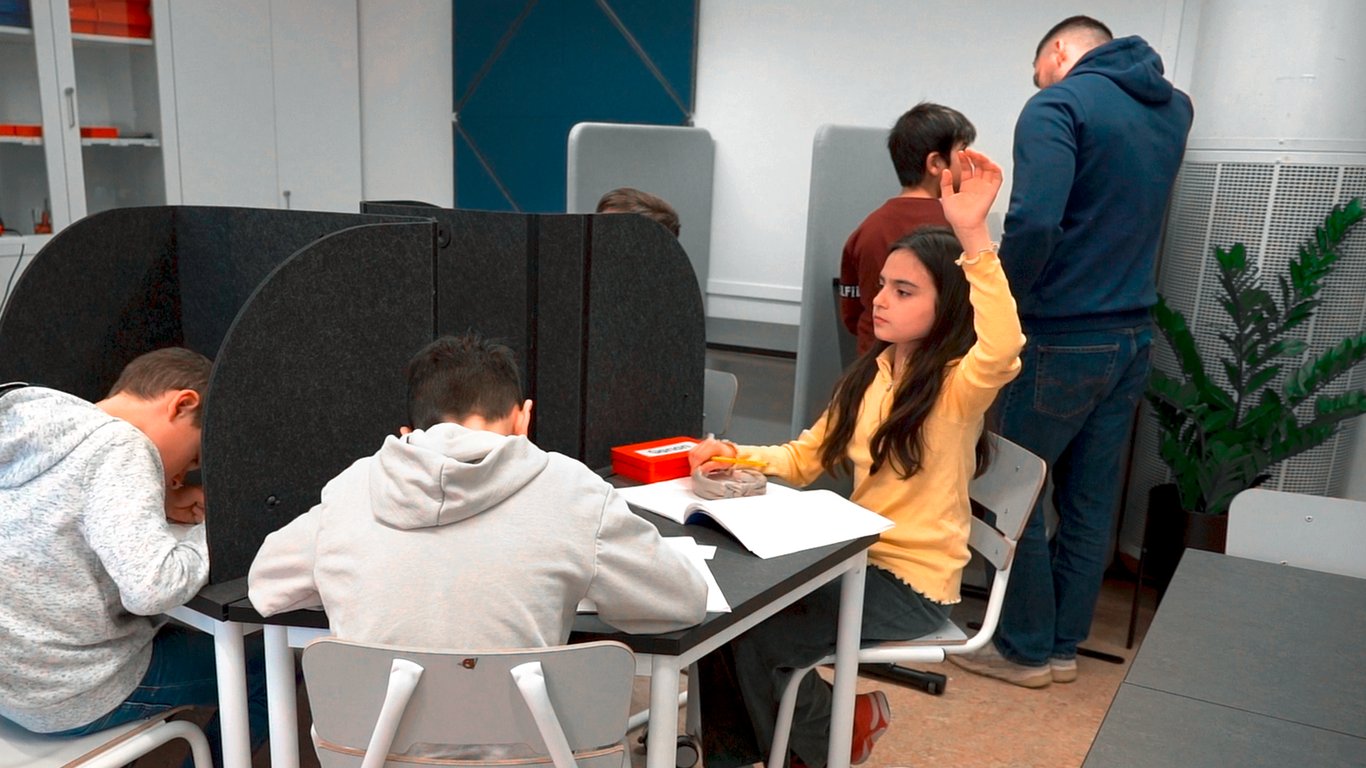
661,741
283,697
846,663
231,665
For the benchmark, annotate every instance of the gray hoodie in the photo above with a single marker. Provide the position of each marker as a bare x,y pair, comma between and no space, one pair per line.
459,538
87,559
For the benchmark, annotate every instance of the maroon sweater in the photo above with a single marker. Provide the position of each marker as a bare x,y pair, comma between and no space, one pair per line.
866,251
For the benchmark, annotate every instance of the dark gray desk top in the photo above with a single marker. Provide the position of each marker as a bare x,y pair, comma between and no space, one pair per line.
1268,639
748,582
1152,728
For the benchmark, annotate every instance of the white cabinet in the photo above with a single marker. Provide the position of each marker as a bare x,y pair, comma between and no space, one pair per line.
67,82
268,103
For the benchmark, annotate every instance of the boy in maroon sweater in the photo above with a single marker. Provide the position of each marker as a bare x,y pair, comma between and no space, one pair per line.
924,142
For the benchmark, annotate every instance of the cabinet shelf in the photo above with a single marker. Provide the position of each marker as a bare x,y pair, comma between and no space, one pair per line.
6,32
112,40
23,141
121,142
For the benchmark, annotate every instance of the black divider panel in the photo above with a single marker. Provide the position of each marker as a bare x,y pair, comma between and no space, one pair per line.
225,253
100,293
310,378
646,331
560,324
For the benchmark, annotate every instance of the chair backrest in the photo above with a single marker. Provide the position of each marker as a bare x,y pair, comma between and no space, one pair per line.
851,175
469,699
673,162
719,389
1315,532
1009,489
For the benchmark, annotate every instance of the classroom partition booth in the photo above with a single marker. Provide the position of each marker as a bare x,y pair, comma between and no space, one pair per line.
310,319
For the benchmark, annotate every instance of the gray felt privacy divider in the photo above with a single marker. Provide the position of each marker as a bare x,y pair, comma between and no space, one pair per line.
603,313
851,175
311,317
673,162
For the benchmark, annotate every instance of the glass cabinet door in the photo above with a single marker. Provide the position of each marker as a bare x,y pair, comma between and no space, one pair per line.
25,191
89,75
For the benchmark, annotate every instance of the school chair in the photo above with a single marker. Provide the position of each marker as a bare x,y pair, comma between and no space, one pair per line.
376,705
1297,529
1008,489
719,389
110,748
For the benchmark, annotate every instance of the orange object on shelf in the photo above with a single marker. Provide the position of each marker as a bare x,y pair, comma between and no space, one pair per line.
99,132
84,17
27,129
655,460
6,129
125,18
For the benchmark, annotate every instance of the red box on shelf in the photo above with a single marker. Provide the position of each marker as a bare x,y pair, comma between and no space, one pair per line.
27,129
85,18
655,460
6,129
99,132
125,18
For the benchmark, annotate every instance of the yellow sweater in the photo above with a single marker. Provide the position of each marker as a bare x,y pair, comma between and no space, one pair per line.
928,546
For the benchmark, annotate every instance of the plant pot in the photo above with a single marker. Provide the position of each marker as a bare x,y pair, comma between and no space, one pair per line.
1170,529
1207,532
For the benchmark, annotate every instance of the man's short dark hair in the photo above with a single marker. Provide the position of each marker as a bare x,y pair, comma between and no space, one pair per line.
926,128
631,200
1098,31
459,376
155,373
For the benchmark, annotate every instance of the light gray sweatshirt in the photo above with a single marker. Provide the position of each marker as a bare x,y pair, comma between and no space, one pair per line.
87,559
459,538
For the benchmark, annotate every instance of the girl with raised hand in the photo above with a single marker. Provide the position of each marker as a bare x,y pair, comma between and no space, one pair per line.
907,418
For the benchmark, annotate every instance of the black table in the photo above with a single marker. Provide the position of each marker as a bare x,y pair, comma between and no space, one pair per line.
755,589
1246,664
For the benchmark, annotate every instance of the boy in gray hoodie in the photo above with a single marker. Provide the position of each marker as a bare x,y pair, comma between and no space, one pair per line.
463,534
88,561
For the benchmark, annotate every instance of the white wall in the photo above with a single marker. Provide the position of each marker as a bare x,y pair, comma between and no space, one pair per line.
769,72
405,101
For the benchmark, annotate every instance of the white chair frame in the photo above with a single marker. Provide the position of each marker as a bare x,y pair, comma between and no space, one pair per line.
110,748
1010,489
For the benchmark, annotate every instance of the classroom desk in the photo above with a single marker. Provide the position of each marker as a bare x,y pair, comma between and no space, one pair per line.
755,588
1248,664
208,612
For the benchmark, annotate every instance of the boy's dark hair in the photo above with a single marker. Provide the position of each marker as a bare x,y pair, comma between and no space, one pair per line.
926,128
631,200
151,375
459,376
1098,32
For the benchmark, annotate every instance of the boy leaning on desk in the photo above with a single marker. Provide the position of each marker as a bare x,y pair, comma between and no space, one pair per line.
461,533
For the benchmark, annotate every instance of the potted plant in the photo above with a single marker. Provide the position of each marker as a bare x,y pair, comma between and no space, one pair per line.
1220,438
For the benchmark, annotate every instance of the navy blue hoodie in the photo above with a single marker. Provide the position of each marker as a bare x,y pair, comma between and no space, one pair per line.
1095,157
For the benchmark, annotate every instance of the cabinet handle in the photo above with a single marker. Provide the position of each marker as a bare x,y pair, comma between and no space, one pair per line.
70,92
286,194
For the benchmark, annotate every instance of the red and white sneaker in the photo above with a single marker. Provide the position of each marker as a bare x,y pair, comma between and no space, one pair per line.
872,717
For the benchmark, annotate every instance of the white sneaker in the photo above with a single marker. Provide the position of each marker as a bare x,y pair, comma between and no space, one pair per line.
1064,670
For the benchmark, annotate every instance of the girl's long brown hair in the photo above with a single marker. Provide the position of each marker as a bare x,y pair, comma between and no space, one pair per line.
899,441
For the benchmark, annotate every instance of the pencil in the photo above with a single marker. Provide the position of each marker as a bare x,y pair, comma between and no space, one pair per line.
739,462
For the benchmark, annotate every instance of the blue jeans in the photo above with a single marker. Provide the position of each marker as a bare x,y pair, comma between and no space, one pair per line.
182,672
1073,405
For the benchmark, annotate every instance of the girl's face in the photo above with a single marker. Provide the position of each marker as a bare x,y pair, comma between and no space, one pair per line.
904,308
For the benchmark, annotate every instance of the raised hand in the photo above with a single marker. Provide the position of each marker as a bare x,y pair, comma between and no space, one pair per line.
966,209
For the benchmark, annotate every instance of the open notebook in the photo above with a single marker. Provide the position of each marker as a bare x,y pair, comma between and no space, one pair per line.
780,522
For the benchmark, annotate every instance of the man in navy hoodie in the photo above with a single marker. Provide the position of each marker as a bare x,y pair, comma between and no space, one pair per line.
1096,152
